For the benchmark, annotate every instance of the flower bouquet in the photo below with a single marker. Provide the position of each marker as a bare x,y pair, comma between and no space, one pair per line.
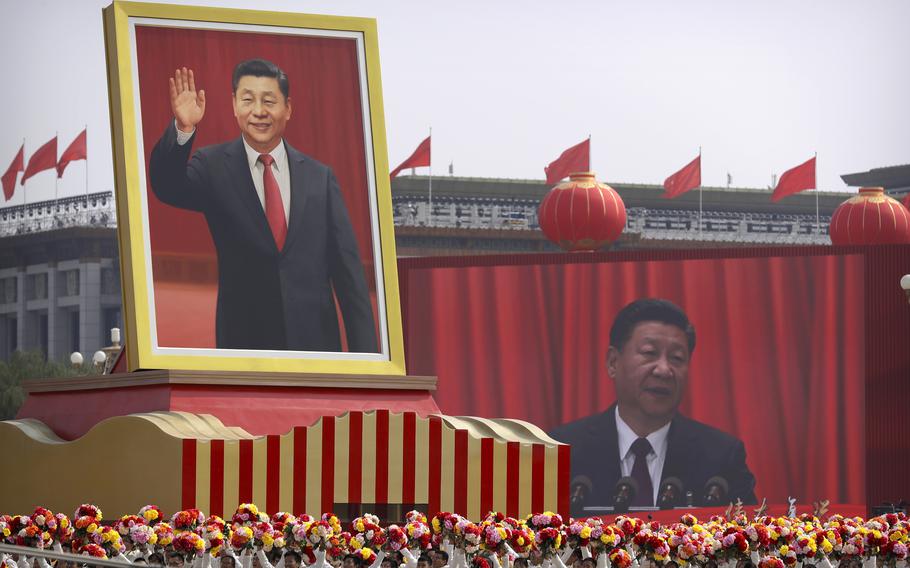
443,527
93,550
152,514
246,514
188,520
164,534
64,532
242,538
420,537
544,520
396,539
318,535
87,520
548,541
619,558
109,539
368,532
495,536
189,544
578,534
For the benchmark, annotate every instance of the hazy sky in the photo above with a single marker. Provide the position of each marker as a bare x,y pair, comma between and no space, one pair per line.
507,85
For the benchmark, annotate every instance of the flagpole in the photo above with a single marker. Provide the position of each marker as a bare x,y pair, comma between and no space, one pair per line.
56,173
818,226
86,164
25,183
430,217
699,193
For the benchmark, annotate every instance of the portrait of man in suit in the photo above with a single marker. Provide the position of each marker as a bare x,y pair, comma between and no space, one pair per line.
281,231
643,435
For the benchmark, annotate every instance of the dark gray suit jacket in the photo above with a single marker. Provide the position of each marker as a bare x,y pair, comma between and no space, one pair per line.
271,299
696,452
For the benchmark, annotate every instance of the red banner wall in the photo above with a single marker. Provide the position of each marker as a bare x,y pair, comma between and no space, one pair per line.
779,361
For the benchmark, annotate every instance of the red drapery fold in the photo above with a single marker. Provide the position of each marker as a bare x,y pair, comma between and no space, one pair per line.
779,361
327,125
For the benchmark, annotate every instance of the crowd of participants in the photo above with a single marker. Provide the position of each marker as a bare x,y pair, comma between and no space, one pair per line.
252,539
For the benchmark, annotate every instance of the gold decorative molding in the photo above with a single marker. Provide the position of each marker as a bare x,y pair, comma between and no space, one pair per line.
229,379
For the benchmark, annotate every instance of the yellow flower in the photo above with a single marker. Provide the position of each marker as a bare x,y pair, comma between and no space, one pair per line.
784,550
586,532
92,528
826,546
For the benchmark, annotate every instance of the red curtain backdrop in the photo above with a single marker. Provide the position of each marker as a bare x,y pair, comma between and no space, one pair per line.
779,359
326,124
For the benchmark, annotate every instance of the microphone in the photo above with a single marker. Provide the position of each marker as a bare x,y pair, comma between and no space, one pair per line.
716,490
579,490
623,494
670,495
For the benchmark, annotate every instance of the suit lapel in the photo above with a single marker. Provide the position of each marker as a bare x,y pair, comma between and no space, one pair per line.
679,449
300,187
611,445
246,192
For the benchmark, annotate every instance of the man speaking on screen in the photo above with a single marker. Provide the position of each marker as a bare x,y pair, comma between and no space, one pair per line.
643,437
281,230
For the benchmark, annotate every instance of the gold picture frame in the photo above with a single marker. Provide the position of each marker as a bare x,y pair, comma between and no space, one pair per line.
126,23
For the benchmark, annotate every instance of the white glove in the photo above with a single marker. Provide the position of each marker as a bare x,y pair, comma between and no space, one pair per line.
246,559
42,562
585,552
380,556
754,558
603,560
495,558
558,561
565,554
320,559
24,562
410,561
263,560
869,562
458,559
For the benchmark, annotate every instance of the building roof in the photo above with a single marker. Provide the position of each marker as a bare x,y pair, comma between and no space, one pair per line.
890,177
633,195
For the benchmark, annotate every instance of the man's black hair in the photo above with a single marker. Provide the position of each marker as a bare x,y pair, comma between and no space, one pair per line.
424,558
293,554
443,554
649,309
260,68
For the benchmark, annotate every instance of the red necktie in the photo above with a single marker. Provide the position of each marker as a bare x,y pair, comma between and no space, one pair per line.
645,496
274,208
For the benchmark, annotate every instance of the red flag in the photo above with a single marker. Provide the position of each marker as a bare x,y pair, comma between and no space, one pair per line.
9,178
44,158
800,178
420,158
575,159
685,179
75,151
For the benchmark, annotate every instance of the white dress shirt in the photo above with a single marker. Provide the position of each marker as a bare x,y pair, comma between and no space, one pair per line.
279,168
656,458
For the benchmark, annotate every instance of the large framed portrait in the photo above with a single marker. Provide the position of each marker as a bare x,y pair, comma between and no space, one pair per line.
253,198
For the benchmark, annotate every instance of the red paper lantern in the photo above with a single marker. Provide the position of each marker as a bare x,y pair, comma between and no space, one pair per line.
870,218
582,213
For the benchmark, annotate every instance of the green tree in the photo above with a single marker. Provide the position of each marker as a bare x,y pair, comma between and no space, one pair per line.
28,365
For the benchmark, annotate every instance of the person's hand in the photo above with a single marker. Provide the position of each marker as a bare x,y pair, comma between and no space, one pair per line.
187,104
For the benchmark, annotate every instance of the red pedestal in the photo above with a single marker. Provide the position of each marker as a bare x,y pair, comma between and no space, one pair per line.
260,403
